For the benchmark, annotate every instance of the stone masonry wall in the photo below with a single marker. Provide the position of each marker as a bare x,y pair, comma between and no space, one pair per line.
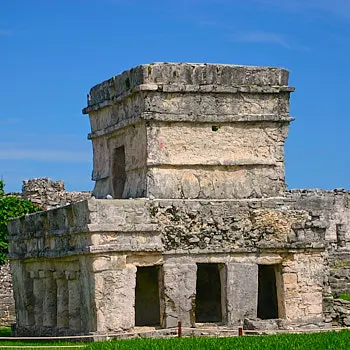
7,305
49,194
332,207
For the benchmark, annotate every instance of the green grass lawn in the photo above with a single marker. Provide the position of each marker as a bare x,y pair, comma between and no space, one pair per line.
345,297
328,340
34,344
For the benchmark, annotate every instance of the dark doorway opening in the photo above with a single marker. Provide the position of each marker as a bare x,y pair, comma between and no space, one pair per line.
267,292
118,173
208,293
147,307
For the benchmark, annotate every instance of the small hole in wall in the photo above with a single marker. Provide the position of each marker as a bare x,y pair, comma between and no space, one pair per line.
214,128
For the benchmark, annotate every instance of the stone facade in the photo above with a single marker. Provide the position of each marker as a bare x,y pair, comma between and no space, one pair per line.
201,228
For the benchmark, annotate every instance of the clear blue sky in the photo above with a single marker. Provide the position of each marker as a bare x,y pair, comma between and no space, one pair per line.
53,51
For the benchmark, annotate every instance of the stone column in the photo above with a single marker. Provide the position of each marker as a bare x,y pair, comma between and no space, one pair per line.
179,294
241,291
62,300
74,301
49,299
115,297
38,294
303,277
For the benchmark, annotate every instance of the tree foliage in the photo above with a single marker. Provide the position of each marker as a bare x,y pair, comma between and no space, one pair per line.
11,207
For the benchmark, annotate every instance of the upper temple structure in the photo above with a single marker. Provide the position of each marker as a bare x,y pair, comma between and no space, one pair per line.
190,131
198,226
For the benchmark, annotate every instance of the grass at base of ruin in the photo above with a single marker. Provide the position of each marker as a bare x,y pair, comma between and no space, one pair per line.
5,332
328,340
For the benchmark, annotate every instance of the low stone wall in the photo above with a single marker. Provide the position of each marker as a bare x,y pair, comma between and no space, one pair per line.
339,279
342,311
281,324
7,303
337,311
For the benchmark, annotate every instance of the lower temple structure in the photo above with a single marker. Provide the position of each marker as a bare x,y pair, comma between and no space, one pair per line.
198,227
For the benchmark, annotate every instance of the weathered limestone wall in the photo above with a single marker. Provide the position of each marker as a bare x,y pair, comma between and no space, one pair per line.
7,304
49,194
133,138
192,131
303,277
332,207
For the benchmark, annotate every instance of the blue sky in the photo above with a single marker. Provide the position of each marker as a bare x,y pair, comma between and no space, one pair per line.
52,52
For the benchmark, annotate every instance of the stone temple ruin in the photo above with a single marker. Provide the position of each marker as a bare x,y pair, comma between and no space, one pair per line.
201,228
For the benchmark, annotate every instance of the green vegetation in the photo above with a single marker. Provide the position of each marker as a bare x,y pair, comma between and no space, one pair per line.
35,345
323,341
345,296
5,332
11,207
341,265
329,340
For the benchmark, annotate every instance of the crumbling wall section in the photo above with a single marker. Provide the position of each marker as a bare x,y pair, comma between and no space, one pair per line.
232,225
49,194
333,208
337,311
7,304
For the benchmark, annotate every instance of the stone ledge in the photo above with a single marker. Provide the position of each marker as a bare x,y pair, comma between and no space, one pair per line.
203,118
189,89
